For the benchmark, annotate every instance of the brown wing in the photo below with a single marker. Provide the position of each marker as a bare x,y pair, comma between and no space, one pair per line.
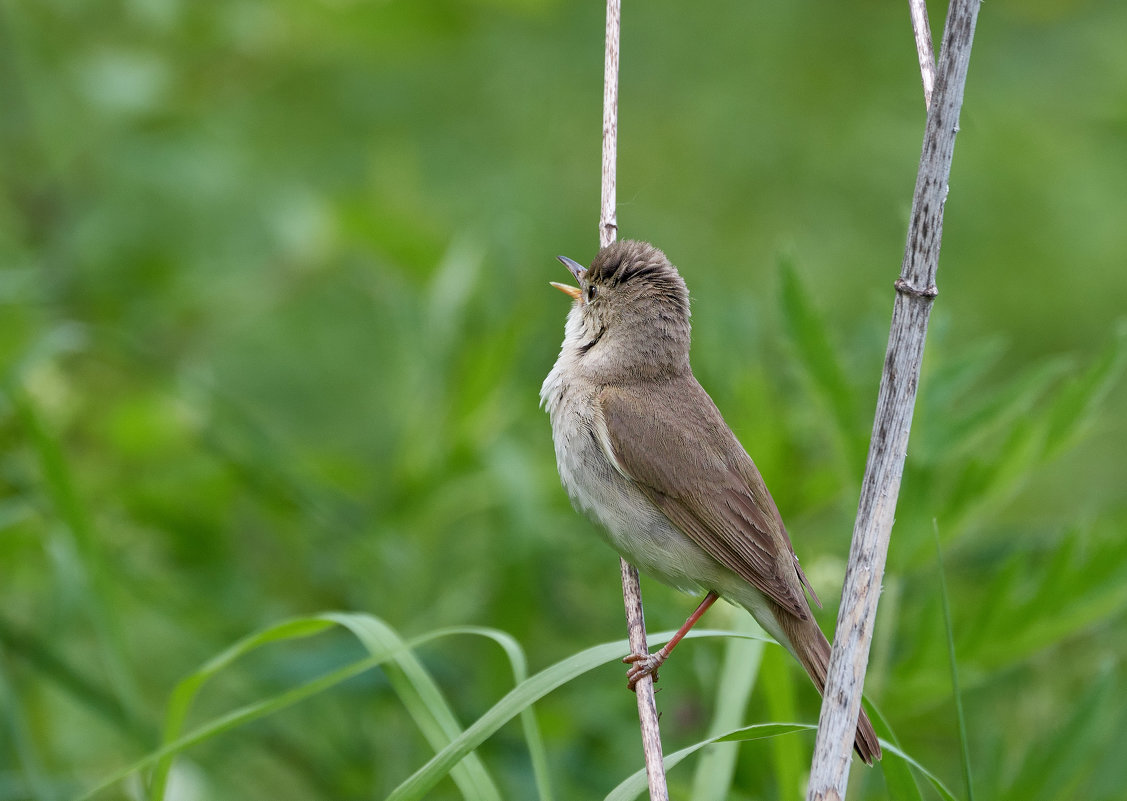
731,515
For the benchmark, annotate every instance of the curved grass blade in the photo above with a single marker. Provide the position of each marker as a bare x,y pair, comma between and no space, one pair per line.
537,752
238,717
382,644
939,786
422,697
407,676
635,784
185,692
898,776
421,781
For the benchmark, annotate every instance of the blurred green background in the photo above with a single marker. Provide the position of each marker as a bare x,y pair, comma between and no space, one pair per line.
274,316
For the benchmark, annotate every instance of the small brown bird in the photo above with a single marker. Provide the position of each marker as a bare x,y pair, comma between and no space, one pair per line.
643,452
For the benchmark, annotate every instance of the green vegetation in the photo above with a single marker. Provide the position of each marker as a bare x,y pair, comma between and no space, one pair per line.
274,314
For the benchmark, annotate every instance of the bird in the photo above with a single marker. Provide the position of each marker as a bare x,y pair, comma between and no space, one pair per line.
644,453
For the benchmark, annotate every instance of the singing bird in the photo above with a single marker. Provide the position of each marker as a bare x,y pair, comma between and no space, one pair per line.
644,453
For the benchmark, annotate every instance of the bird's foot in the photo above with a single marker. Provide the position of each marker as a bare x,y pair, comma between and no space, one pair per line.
642,665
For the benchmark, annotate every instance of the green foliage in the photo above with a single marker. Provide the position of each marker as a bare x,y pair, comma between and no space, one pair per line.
411,681
273,318
432,714
712,779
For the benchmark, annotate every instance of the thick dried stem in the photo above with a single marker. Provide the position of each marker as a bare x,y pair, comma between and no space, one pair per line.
915,291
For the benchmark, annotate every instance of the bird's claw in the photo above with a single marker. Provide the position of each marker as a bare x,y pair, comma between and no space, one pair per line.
642,665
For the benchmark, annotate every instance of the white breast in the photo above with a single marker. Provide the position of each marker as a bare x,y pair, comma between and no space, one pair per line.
630,522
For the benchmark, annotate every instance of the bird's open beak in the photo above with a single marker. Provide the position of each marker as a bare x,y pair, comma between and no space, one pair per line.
577,270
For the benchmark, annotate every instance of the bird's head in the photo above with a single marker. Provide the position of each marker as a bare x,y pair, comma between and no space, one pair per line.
631,311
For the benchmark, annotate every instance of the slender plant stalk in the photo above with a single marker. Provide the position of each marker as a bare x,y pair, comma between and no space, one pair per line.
915,292
608,219
631,589
647,705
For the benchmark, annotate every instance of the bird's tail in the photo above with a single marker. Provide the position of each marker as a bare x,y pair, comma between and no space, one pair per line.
812,649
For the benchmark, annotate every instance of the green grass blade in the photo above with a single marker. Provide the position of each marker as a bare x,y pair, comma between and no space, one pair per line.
898,776
1027,614
382,644
949,627
939,786
950,381
712,779
239,717
635,784
185,692
808,332
60,489
781,698
407,676
529,691
538,754
422,697
533,689
983,484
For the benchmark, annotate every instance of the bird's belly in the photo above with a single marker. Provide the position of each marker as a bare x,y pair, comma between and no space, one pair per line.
631,523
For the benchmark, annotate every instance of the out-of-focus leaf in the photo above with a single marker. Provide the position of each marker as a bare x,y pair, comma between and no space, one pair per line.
982,484
1025,613
960,427
1063,753
1072,410
812,341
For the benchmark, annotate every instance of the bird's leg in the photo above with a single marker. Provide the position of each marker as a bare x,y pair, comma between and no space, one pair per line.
647,664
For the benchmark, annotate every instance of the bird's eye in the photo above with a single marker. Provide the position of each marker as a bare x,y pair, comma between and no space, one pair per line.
591,290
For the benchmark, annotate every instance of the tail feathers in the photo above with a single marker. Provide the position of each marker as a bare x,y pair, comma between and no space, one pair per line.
812,649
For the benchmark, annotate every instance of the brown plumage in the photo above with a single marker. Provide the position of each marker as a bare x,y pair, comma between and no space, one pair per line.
643,451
